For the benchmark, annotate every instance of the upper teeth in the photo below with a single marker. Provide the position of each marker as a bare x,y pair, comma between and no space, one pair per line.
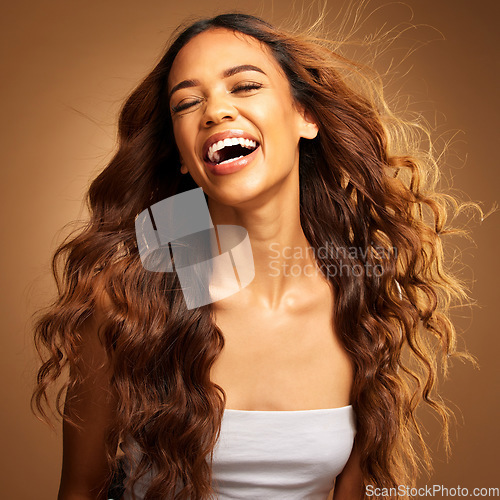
213,150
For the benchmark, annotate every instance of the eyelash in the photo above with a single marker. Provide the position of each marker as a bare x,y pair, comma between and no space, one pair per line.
244,87
248,86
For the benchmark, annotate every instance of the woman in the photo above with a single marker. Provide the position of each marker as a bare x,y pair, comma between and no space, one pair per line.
308,377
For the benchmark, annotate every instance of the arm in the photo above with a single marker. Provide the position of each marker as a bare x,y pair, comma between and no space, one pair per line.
349,483
84,470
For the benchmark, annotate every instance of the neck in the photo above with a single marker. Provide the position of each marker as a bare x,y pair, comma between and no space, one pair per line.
282,257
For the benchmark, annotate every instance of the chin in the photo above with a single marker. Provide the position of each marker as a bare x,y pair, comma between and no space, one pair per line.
233,197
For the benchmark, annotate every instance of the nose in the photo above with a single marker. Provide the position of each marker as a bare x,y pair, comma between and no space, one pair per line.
218,109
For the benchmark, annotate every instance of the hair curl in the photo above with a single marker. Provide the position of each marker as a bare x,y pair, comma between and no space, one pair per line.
364,183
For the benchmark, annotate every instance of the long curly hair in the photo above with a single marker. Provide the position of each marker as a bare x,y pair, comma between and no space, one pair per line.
365,184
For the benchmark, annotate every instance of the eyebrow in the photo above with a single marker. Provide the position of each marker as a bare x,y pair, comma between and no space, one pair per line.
225,74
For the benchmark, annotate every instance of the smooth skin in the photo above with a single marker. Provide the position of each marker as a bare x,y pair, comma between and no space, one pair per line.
281,349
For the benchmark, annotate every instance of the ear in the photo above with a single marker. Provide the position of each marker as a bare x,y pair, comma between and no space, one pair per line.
308,128
183,169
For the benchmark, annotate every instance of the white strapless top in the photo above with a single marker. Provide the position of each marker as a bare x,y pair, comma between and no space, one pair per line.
292,455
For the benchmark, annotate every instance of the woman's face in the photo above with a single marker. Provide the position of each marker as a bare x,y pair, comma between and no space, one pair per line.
229,99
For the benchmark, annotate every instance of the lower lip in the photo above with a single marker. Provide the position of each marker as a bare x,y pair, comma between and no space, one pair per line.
232,166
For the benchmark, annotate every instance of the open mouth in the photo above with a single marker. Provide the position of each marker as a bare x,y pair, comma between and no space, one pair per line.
231,149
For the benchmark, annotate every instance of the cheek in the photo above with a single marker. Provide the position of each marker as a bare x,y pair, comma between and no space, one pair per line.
274,117
282,120
182,140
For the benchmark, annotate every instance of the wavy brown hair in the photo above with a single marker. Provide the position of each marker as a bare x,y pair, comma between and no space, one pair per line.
364,184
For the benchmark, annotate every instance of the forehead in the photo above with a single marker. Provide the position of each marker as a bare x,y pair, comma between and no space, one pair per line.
214,50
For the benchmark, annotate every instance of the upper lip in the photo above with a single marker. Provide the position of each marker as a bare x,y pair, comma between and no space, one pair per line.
225,134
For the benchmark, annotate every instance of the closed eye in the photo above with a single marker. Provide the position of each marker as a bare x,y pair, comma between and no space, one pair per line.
185,105
242,88
247,87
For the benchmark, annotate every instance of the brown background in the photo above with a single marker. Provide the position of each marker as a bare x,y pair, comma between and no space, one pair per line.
67,66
